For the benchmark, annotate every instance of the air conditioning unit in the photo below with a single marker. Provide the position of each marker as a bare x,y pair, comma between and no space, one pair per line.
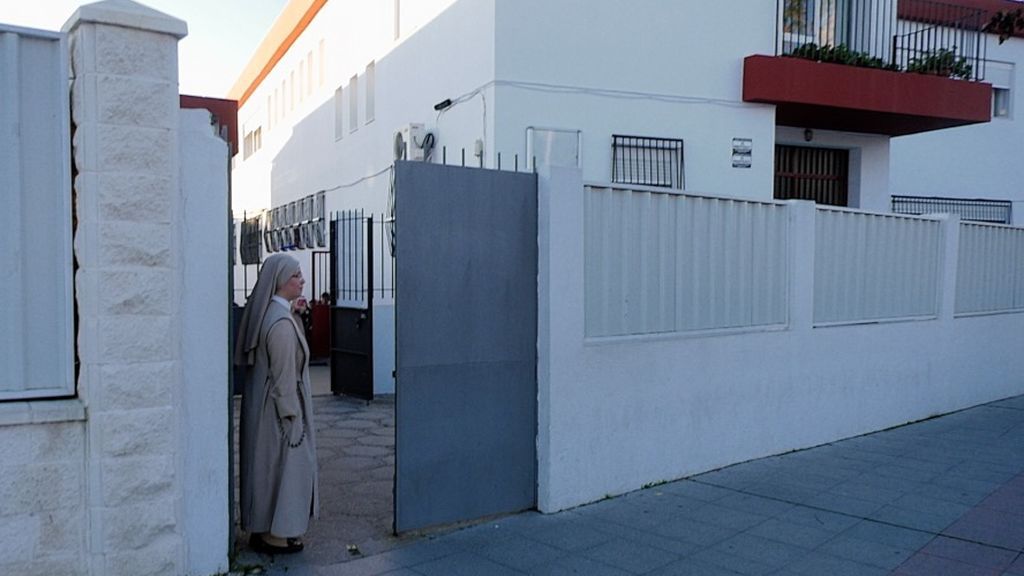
409,141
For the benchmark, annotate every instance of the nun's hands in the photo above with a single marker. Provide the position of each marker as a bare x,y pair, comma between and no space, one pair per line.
292,427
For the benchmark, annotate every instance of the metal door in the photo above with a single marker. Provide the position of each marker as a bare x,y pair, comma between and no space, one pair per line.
352,309
819,174
466,313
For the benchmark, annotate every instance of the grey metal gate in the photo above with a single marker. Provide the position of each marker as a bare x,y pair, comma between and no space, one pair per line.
466,313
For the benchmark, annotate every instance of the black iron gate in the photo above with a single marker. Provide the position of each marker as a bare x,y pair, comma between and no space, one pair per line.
352,307
361,275
321,279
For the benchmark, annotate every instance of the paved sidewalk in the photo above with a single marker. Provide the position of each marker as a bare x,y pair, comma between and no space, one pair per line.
940,497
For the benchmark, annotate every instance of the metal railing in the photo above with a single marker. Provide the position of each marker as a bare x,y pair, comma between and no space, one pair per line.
922,36
941,39
975,210
362,267
836,29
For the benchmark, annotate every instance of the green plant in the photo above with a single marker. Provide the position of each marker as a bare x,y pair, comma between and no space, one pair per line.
942,62
1006,24
839,54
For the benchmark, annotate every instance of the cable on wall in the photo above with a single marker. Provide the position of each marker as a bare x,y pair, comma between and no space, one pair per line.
356,182
600,92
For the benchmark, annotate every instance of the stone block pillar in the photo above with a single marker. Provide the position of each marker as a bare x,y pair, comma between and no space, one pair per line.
127,243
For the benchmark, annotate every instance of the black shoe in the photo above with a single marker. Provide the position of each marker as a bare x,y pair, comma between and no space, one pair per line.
257,543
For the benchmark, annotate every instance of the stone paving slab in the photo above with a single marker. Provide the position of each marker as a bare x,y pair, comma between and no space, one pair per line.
940,497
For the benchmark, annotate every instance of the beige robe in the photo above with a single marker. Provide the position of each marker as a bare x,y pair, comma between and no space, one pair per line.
278,481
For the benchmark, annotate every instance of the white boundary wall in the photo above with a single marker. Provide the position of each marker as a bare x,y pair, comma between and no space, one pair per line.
130,477
205,361
617,413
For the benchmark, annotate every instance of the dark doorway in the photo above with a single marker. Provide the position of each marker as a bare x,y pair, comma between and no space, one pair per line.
818,174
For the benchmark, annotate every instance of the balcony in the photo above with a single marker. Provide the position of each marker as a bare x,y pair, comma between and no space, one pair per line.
864,66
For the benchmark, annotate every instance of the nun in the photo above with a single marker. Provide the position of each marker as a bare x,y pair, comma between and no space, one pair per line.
277,457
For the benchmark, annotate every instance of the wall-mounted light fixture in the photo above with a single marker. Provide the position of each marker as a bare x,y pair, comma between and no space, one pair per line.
808,134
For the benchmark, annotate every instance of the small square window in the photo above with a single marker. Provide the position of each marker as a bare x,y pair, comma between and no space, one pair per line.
1000,102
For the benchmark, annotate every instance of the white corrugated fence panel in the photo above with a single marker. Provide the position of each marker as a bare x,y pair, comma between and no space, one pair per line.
35,223
990,271
660,262
870,267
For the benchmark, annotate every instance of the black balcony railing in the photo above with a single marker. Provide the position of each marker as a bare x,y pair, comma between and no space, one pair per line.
975,210
817,29
922,36
942,39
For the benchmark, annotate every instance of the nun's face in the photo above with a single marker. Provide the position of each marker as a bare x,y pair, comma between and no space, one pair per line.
292,289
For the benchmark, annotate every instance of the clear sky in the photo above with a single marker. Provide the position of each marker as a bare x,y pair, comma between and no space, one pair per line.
222,34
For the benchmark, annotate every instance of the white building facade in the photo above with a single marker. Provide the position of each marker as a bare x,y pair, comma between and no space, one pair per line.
321,114
659,94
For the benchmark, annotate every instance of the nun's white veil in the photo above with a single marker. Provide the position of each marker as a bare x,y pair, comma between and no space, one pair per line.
276,271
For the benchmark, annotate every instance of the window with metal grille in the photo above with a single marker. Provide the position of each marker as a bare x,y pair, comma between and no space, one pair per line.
975,210
818,174
250,246
648,161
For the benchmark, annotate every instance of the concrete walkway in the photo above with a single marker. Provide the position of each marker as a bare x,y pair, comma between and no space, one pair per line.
940,497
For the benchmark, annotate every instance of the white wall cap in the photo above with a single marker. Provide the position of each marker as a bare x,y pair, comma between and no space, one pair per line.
128,14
